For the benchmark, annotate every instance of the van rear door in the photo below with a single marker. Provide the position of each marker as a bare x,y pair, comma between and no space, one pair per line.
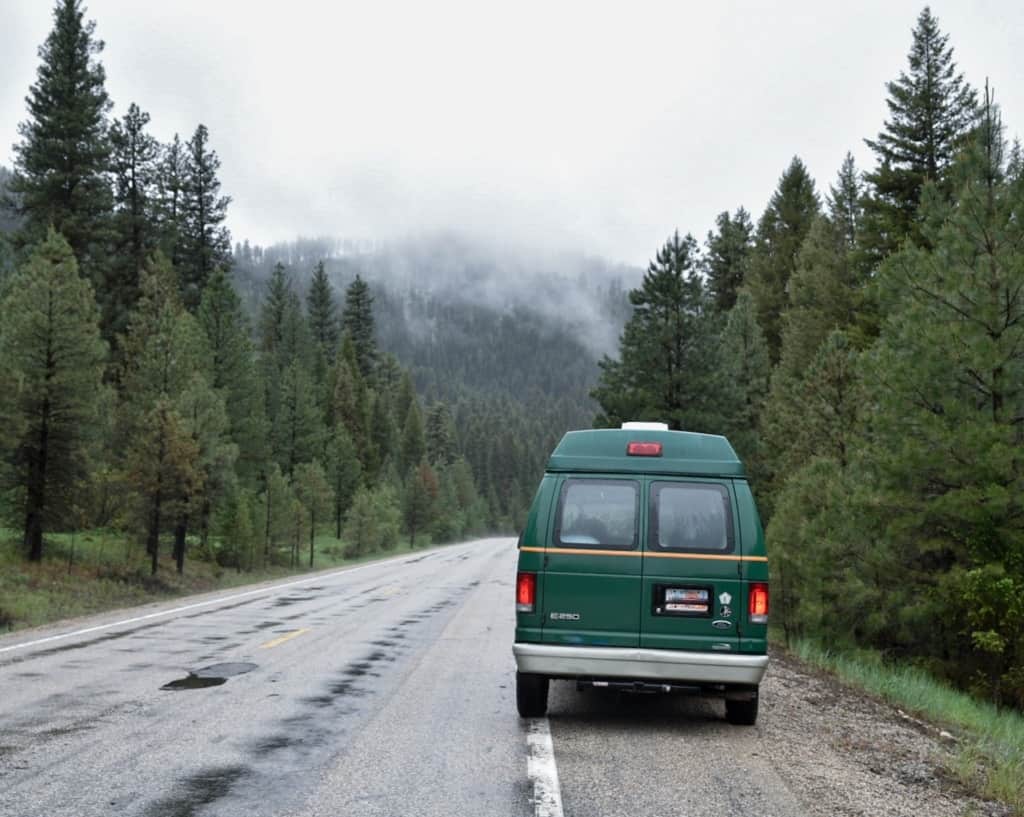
592,573
691,584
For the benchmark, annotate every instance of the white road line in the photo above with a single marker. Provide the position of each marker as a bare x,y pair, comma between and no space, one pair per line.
542,771
272,588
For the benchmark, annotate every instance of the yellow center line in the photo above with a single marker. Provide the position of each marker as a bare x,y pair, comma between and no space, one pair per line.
283,638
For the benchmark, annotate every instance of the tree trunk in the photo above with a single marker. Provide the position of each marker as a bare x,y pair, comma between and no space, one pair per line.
312,535
153,537
36,499
179,543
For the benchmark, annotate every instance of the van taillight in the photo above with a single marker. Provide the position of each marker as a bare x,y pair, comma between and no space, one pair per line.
759,603
526,592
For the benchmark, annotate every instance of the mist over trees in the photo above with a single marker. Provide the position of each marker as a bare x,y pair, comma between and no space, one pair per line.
864,351
240,403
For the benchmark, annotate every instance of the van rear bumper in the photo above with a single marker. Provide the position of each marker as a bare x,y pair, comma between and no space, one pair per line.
561,661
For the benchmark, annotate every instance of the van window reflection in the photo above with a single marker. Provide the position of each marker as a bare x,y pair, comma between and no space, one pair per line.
598,513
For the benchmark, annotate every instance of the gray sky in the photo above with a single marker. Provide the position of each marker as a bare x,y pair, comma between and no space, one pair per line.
601,127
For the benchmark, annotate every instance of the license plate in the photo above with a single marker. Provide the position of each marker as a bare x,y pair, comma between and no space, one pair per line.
686,594
678,607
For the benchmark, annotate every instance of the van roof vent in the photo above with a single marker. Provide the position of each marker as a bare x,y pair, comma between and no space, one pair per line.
646,426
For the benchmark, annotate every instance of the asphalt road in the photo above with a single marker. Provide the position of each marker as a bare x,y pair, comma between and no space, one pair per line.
387,689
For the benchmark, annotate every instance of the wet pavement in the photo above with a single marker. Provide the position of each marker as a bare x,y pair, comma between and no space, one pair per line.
262,705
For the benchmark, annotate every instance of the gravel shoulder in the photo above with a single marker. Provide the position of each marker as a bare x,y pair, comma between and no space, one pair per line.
844,752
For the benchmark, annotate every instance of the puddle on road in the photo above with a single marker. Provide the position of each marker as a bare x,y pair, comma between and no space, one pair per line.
212,676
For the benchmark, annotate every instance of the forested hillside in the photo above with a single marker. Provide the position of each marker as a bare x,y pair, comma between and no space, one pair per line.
236,404
863,346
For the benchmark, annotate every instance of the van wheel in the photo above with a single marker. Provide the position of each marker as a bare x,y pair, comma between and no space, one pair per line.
741,713
531,694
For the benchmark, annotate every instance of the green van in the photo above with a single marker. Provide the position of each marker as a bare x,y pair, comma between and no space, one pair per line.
642,566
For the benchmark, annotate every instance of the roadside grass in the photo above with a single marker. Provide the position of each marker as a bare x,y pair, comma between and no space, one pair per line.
989,758
99,570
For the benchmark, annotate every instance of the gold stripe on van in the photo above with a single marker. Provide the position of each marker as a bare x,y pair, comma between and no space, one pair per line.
651,553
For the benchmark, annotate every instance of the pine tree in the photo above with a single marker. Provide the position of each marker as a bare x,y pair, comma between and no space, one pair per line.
161,467
323,319
344,473
846,203
165,351
206,243
667,357
314,492
52,360
728,257
134,156
172,171
421,495
948,410
63,157
272,311
931,111
414,446
780,233
747,370
233,373
442,448
297,431
357,321
205,418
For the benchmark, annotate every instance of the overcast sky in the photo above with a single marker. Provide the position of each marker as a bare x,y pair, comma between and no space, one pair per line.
601,127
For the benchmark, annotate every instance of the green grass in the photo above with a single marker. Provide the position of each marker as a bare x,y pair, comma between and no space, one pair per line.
98,570
990,751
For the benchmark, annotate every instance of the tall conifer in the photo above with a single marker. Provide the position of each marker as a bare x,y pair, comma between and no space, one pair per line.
62,160
52,360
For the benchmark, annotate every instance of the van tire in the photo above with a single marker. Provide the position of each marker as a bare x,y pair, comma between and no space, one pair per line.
741,713
531,695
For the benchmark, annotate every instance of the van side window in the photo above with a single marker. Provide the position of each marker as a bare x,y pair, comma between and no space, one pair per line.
598,512
690,516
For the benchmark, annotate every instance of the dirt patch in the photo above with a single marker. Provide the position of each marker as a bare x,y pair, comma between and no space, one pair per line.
843,752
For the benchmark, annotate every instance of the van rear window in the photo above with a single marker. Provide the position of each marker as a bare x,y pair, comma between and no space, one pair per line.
690,516
598,513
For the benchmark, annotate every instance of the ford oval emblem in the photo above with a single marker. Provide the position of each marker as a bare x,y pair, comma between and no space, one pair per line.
721,624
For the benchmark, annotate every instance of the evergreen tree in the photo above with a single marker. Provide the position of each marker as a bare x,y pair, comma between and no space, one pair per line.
727,257
421,495
414,445
780,233
272,311
233,373
747,370
344,473
165,351
946,417
205,417
357,321
52,360
63,157
297,431
172,172
846,204
373,521
161,467
206,243
442,448
274,510
931,110
134,156
666,366
323,318
314,492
